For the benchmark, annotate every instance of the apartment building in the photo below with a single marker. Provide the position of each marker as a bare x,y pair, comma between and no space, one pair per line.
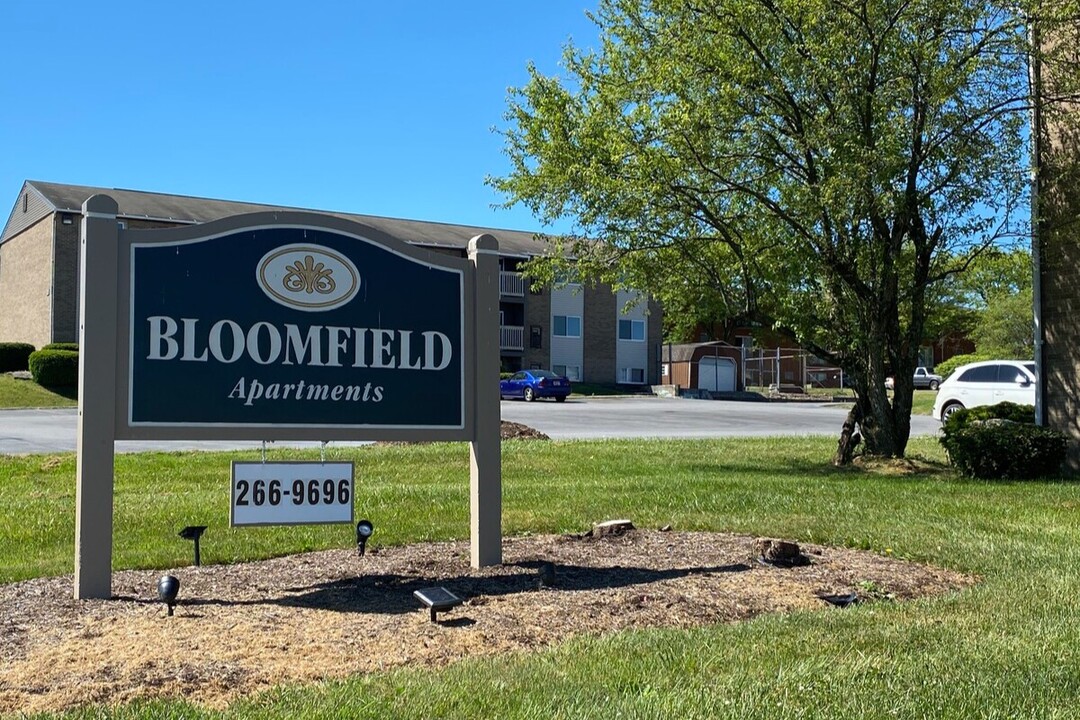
590,333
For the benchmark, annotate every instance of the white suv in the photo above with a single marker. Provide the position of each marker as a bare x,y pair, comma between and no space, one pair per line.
986,383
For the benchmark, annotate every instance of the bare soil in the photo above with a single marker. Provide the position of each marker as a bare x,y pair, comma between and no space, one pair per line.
240,629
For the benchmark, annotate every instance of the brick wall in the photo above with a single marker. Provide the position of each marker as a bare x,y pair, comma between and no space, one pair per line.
655,338
538,313
599,326
1060,277
65,305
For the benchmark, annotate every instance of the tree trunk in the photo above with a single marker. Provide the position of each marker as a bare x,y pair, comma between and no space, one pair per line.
849,439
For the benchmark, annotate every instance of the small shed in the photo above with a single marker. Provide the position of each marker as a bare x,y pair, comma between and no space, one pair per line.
710,366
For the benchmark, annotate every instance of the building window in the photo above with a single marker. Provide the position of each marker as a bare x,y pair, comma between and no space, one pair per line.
665,369
632,330
635,376
570,372
567,326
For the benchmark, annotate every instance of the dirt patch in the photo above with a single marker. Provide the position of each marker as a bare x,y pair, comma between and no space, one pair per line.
517,431
243,628
507,431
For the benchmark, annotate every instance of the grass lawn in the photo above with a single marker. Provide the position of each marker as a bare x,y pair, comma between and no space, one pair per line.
923,402
28,394
1008,648
580,388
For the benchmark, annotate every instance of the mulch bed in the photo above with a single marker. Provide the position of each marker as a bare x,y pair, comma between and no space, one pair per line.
240,629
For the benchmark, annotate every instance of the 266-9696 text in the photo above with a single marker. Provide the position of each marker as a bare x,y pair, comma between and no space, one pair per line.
312,492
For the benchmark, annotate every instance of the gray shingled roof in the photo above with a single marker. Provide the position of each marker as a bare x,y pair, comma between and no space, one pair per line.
182,209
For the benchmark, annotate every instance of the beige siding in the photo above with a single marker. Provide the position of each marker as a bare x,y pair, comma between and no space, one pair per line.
29,208
630,353
568,350
26,262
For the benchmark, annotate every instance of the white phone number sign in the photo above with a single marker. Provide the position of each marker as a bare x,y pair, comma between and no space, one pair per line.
291,493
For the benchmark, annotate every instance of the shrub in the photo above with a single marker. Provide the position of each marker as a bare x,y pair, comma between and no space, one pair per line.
506,375
945,367
15,356
1002,411
1002,441
55,368
74,347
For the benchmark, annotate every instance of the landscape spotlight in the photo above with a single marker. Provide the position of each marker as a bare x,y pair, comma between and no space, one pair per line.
193,532
364,528
437,599
168,588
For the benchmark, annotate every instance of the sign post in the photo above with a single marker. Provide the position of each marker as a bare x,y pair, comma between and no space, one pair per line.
97,399
280,326
485,450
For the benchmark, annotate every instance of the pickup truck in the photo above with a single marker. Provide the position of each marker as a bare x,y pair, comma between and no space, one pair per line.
922,380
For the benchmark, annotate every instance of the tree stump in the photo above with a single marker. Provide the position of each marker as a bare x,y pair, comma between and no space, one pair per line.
783,553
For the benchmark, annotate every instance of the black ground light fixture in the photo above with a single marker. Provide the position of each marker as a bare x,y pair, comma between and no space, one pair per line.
364,528
168,588
193,532
437,599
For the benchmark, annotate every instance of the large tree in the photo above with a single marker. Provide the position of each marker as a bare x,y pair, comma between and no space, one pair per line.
819,166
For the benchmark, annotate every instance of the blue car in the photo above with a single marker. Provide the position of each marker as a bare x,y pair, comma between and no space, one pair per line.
532,384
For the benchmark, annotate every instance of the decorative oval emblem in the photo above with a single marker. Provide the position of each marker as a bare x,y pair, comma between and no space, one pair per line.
308,277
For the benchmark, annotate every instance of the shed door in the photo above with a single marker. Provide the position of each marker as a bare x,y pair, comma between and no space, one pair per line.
716,374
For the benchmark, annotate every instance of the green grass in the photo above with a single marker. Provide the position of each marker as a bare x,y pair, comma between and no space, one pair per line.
28,394
1007,648
922,403
580,388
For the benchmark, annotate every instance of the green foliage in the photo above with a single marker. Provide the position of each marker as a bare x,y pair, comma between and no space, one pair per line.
1002,441
55,368
14,356
994,274
813,167
945,368
1012,412
74,347
962,302
1006,328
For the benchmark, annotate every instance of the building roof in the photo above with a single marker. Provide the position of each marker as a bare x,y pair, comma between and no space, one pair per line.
682,352
182,209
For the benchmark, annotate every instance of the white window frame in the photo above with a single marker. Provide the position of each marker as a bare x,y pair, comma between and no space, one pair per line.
626,376
570,372
634,325
566,326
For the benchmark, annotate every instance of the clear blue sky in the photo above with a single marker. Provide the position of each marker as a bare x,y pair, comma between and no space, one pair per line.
356,106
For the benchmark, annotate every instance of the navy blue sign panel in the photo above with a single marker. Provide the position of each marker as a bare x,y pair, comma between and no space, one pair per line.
294,326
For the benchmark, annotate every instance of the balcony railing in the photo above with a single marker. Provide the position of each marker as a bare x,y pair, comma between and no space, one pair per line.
511,283
511,337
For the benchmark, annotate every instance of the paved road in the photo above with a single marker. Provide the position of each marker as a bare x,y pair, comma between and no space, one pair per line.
47,431
647,417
